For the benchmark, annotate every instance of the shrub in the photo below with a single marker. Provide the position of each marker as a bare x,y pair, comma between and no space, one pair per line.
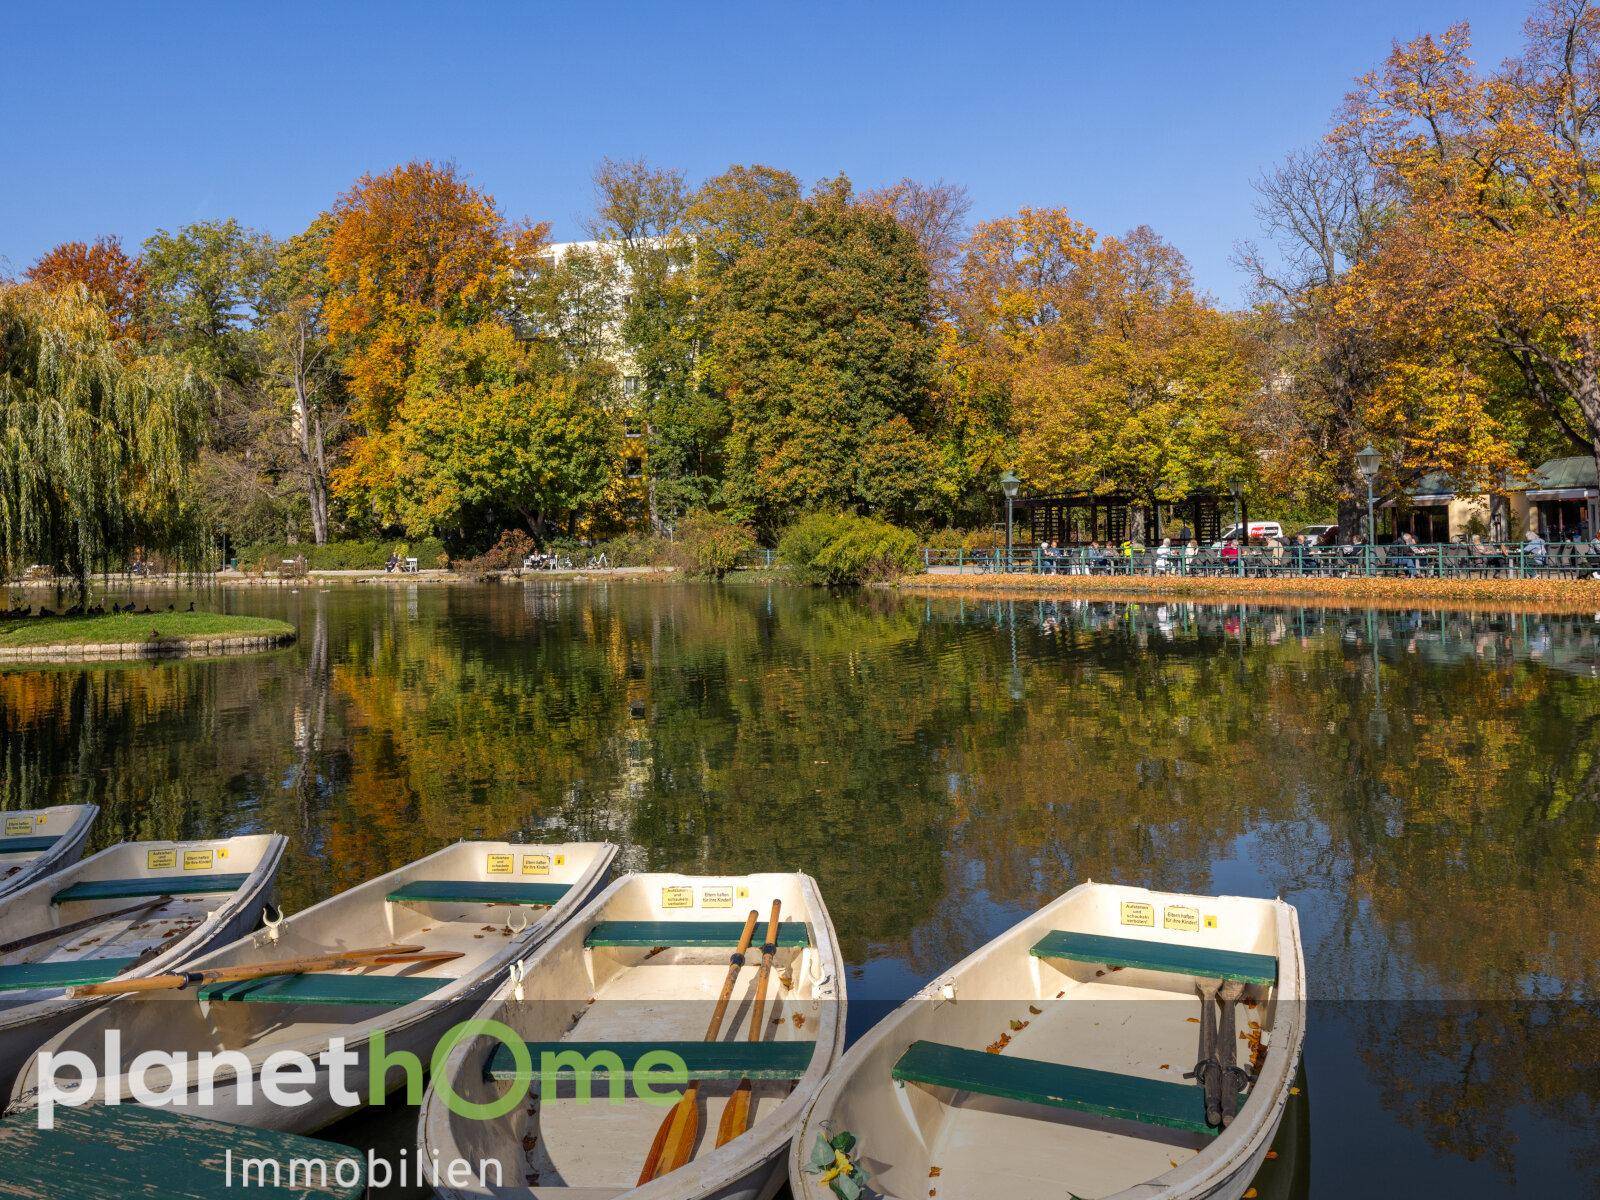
343,556
710,545
842,550
507,553
965,539
633,550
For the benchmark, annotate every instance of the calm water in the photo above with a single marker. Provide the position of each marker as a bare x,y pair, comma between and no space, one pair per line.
1425,787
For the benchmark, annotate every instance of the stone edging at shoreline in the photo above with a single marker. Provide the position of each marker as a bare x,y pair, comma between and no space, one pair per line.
152,649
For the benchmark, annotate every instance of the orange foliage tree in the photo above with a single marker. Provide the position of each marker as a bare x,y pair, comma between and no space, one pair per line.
1491,254
106,271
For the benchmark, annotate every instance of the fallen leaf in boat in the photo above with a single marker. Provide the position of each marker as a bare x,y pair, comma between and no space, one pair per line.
479,936
1250,1194
657,950
1060,994
528,1142
1192,1020
998,1044
1018,1026
1272,1154
799,1019
933,1172
778,1020
1294,1091
1119,968
1172,1162
1097,974
1166,1067
1035,1011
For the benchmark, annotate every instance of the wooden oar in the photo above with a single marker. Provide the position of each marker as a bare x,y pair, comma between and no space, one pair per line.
1207,1070
61,931
674,1141
176,980
736,1114
1232,1078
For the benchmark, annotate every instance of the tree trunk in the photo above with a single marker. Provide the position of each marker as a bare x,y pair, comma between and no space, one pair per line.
309,440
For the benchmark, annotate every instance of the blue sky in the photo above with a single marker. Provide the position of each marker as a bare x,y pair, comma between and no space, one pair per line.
126,118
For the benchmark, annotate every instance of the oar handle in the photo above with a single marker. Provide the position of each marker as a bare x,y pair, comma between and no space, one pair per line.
735,961
767,952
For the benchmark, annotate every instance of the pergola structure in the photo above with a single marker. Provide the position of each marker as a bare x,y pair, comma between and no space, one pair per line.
1076,520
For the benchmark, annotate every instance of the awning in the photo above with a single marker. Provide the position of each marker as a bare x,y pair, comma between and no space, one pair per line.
1563,494
1419,501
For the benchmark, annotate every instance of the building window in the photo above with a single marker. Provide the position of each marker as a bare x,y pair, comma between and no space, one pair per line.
630,386
633,468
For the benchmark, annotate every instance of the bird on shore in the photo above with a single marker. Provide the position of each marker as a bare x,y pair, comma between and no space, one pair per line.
191,606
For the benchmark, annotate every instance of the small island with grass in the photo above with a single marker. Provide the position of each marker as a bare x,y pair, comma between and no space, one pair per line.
135,635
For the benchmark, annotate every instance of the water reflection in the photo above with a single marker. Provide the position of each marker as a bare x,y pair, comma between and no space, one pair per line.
1423,784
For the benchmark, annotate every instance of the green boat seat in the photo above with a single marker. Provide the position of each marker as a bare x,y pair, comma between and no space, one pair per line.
161,885
122,1151
688,933
1159,956
1103,1093
24,976
26,845
372,991
451,891
704,1060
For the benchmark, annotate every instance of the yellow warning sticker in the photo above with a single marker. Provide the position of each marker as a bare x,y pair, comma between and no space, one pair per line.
743,893
160,860
1211,920
536,864
1137,912
500,864
198,860
561,860
677,897
718,896
1181,917
16,826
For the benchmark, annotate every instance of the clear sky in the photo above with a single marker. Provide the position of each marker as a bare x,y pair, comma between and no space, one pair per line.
125,118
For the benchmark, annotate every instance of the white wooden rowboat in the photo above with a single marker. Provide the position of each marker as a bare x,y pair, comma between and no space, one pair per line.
640,969
36,841
1051,1062
491,902
132,910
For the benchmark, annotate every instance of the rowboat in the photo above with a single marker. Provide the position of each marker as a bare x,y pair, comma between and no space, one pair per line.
1056,1060
633,977
130,911
36,841
479,906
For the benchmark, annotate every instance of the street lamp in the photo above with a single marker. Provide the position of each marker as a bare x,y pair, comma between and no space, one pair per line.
1009,484
1236,490
1367,462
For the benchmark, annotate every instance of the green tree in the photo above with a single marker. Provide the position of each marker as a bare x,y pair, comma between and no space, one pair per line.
489,429
95,440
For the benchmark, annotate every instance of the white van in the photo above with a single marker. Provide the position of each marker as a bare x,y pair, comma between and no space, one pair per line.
1258,531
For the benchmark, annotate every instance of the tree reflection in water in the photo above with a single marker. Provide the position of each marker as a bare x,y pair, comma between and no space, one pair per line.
1423,785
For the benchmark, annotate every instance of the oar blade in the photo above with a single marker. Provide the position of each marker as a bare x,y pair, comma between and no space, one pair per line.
735,1115
682,1129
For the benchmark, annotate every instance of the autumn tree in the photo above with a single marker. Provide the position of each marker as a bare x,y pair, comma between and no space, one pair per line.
1492,250
819,340
106,271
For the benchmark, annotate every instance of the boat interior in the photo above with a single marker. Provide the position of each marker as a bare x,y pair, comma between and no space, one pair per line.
29,833
644,972
1054,1061
118,910
476,900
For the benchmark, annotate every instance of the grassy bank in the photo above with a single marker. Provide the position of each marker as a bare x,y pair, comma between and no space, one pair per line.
114,628
1528,595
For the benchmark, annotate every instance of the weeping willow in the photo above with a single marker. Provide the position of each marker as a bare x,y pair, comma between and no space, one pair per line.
95,441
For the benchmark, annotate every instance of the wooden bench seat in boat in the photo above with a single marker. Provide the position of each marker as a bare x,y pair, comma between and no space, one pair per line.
1104,1093
686,933
1158,956
374,991
111,1153
23,976
704,1060
453,891
26,845
164,885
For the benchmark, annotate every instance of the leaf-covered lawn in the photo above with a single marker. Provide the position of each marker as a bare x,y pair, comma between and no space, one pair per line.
134,627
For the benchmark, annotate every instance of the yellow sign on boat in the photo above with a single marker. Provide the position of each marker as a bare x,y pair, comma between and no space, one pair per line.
536,864
1181,917
198,860
501,864
16,826
160,860
677,897
1137,912
719,896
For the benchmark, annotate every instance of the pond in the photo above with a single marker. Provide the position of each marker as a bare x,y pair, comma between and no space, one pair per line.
1424,786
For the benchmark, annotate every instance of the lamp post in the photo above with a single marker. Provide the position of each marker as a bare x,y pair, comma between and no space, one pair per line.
1236,490
1367,462
1009,484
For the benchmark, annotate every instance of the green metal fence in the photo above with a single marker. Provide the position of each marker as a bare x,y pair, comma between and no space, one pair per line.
1477,560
